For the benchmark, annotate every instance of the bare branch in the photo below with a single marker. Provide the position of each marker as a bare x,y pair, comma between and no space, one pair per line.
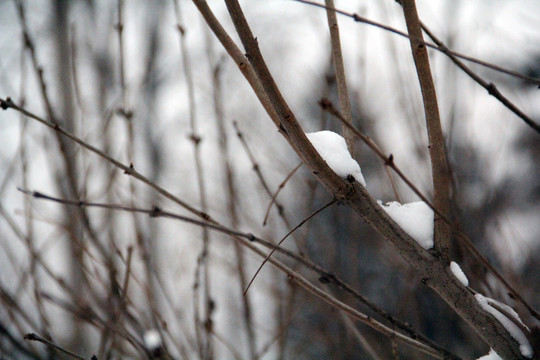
34,337
339,67
416,340
439,166
285,238
434,271
439,46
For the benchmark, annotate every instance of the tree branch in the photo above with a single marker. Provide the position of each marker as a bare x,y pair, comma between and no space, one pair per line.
434,271
339,68
439,166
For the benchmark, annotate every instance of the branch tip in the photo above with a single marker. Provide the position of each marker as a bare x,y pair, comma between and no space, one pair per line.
156,211
6,104
31,336
130,170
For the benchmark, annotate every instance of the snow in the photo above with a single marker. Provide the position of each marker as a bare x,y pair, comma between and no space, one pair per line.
459,274
511,327
508,310
152,340
333,149
492,355
415,218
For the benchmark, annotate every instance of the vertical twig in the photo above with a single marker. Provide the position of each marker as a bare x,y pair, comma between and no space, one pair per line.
231,194
337,57
202,262
437,152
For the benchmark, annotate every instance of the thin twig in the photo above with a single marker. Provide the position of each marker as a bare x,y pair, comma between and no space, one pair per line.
254,163
361,19
325,276
280,187
202,261
128,169
313,214
490,87
439,165
419,341
300,244
339,68
34,337
216,67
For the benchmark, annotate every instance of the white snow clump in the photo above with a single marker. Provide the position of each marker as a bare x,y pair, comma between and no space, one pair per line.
492,355
152,339
415,218
524,346
459,274
333,149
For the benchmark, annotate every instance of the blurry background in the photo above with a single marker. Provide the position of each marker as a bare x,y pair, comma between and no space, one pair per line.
141,80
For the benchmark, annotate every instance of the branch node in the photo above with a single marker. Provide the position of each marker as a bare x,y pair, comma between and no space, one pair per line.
195,138
205,216
324,103
181,29
390,160
156,211
127,114
6,104
491,88
324,280
130,170
37,194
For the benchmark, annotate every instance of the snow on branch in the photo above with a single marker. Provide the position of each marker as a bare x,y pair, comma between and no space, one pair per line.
458,273
415,218
492,355
510,325
333,149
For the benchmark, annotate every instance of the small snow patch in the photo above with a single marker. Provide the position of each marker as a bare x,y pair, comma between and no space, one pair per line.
333,149
492,355
524,346
152,340
459,274
415,218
